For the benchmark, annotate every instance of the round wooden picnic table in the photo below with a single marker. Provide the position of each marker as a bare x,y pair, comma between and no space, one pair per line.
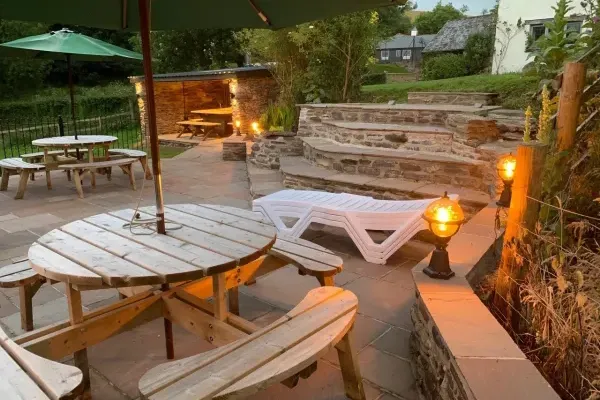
103,251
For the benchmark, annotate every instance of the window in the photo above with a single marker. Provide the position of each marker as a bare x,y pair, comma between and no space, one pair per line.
537,31
385,55
406,54
398,53
574,26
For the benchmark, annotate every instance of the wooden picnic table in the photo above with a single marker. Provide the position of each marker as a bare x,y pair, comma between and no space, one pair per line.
214,111
88,142
222,115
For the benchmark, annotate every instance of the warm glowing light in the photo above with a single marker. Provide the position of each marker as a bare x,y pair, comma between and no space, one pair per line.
238,123
255,127
506,167
444,216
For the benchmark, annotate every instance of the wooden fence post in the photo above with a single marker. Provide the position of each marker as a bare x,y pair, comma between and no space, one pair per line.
523,213
571,93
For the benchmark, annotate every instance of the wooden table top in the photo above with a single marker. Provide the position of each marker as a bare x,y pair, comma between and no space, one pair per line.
99,251
214,111
70,141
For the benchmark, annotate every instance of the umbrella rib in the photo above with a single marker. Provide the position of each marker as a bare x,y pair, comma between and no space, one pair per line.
260,13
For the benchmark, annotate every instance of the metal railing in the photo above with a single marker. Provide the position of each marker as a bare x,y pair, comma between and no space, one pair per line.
17,134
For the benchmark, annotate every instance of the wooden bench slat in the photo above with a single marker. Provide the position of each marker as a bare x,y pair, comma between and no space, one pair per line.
99,164
19,274
308,253
115,271
53,153
17,163
147,258
15,383
198,123
216,375
128,152
184,251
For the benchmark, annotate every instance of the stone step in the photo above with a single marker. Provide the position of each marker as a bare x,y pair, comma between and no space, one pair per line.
419,166
391,136
298,173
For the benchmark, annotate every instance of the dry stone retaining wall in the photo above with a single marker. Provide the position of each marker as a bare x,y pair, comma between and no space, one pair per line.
462,98
267,149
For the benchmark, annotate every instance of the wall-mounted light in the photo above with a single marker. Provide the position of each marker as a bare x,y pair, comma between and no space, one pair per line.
238,124
444,217
506,168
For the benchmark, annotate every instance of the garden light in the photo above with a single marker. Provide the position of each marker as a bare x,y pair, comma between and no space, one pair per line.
444,217
238,124
255,127
506,171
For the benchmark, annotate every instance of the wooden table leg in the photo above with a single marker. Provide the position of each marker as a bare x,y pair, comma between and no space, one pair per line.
77,177
220,296
91,160
22,184
350,371
168,331
4,183
68,172
80,357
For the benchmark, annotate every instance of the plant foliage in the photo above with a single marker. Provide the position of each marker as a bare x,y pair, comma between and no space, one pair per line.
478,52
431,22
445,66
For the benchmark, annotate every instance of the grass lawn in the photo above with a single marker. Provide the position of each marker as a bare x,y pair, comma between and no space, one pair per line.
391,68
170,151
514,90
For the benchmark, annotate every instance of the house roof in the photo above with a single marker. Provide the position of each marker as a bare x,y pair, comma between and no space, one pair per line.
454,34
405,42
208,74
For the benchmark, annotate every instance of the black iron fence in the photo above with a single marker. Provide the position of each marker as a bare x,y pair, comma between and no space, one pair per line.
17,134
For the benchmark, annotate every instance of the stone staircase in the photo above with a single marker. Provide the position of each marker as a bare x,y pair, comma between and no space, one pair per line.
397,151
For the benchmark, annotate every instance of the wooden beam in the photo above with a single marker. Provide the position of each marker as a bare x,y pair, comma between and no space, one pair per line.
571,94
68,340
80,355
522,217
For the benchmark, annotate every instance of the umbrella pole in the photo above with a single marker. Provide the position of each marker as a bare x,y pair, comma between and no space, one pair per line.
151,113
71,93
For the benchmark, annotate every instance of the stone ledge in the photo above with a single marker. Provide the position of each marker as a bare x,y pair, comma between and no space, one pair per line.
461,352
370,126
405,106
297,166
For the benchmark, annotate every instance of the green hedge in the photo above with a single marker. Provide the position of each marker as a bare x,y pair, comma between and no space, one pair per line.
374,78
444,66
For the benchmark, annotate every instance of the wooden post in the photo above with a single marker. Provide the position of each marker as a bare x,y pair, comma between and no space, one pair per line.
522,217
569,104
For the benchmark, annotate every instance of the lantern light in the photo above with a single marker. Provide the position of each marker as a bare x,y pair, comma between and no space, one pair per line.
255,127
506,168
238,124
444,217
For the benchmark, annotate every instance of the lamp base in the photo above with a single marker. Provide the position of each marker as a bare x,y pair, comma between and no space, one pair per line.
439,265
505,196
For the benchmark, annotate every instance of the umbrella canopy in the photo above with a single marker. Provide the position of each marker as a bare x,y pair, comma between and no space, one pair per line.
57,45
185,14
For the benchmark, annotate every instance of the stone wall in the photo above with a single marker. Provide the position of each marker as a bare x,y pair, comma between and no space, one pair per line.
463,98
252,96
267,148
460,351
400,77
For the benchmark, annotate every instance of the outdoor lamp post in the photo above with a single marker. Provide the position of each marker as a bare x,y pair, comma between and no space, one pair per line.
444,217
414,32
506,171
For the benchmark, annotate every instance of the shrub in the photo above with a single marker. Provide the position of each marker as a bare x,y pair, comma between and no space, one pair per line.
478,53
374,78
444,66
278,117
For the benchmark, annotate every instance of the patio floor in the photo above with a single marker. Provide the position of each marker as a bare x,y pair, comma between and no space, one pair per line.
385,292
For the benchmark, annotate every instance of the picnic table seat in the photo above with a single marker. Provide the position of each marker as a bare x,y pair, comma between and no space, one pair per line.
138,155
281,352
38,157
201,127
16,166
28,376
80,169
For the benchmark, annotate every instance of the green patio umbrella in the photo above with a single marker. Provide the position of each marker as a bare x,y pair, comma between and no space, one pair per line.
68,46
141,15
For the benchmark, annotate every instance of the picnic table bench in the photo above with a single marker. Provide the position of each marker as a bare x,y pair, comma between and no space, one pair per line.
89,167
138,155
28,376
16,166
281,352
38,157
201,127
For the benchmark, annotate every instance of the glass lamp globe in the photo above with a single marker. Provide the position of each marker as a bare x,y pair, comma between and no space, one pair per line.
506,167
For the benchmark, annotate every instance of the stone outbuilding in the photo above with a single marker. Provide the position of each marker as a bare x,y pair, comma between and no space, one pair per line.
248,90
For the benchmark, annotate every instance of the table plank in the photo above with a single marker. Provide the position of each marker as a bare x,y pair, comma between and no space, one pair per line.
67,141
251,215
114,271
147,258
15,383
184,251
54,266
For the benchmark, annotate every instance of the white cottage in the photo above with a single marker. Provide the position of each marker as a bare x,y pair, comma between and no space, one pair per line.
534,14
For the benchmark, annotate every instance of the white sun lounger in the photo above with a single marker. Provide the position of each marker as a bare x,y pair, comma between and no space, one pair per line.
356,214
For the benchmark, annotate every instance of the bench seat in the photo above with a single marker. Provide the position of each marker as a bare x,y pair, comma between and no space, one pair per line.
138,155
16,166
28,376
39,156
281,352
201,127
21,275
81,168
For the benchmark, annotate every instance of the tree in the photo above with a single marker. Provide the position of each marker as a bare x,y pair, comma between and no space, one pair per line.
478,52
393,20
195,49
431,22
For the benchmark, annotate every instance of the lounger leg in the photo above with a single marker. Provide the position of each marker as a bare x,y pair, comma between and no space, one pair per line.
168,330
77,177
26,294
4,184
147,173
22,184
81,356
350,370
48,180
234,300
326,280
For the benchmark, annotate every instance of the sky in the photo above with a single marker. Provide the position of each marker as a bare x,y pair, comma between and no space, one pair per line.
475,6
